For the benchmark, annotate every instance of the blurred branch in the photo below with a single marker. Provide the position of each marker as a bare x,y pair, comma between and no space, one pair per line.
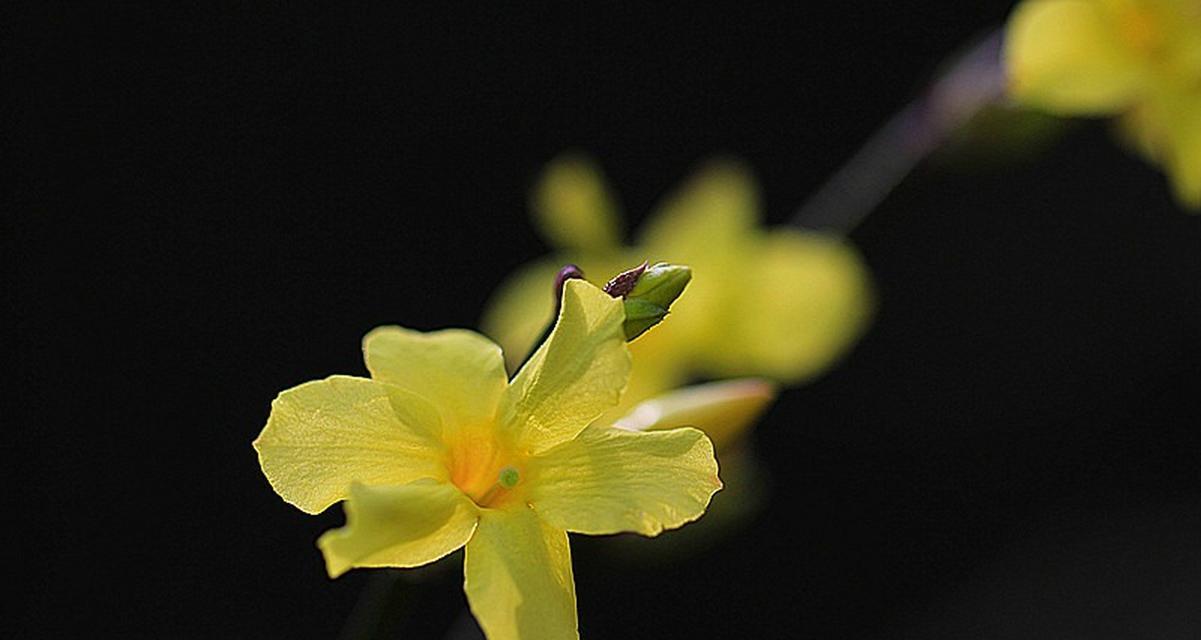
971,82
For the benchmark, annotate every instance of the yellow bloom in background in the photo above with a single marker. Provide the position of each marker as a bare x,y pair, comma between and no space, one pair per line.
1138,60
735,404
781,304
438,450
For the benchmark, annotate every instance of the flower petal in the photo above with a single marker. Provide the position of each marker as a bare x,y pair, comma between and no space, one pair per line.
574,206
324,435
716,208
610,480
1183,162
723,410
460,372
524,304
399,526
1166,129
575,375
517,575
804,300
1067,56
711,225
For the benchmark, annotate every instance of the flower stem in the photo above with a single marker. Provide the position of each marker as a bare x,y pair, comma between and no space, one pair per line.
971,82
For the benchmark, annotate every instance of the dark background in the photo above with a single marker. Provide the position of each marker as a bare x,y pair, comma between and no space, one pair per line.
210,207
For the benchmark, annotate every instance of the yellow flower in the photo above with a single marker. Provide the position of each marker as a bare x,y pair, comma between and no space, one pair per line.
783,304
438,450
1139,60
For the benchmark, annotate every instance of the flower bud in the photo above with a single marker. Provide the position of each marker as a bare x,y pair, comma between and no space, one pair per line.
649,293
568,272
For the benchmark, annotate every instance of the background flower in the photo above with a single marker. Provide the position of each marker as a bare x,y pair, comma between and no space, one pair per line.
1137,60
780,303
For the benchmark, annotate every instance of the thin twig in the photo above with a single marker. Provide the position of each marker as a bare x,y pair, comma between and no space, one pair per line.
972,82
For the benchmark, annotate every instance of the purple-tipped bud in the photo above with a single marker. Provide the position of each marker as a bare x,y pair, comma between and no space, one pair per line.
622,283
648,292
568,272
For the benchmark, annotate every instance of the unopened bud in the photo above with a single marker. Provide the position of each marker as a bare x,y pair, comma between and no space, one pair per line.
649,293
568,272
622,283
662,283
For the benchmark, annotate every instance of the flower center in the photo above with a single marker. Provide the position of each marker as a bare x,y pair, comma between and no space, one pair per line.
505,480
1141,30
489,473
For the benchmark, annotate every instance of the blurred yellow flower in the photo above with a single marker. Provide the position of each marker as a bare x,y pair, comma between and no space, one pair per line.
1139,60
782,304
438,450
735,404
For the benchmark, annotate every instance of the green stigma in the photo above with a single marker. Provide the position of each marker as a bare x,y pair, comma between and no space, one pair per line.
508,477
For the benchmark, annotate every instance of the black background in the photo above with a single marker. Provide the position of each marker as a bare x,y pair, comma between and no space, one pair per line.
210,207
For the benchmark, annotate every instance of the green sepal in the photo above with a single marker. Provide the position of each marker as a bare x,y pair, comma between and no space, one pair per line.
640,316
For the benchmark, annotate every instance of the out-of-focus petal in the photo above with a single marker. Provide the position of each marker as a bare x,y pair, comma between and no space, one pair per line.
574,207
518,577
1166,129
711,214
610,480
324,435
1183,162
399,526
723,410
803,302
576,375
1066,56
